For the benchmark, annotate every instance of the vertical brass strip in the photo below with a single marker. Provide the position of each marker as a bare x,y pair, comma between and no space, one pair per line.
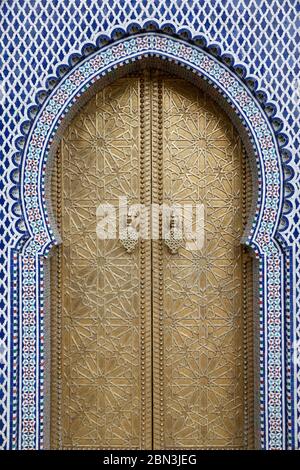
247,310
250,360
145,266
157,262
55,279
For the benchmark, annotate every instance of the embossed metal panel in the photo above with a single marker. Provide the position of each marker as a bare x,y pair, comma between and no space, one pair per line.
151,348
202,388
103,366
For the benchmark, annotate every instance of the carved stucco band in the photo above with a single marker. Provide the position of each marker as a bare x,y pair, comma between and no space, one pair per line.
27,395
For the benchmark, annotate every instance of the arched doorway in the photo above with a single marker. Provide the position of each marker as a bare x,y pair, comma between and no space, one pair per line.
152,348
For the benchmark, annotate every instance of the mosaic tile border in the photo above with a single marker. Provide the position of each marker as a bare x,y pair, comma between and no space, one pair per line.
36,236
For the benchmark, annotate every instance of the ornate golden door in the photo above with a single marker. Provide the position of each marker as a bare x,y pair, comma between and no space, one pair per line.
151,349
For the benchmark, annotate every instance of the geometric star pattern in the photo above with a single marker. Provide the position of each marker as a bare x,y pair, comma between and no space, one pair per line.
97,330
205,397
99,317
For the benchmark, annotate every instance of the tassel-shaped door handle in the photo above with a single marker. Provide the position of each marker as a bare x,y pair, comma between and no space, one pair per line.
129,235
173,237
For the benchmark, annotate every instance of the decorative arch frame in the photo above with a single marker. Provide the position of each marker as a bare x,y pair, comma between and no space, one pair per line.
35,235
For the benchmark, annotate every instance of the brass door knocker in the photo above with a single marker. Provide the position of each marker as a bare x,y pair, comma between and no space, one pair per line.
129,235
173,237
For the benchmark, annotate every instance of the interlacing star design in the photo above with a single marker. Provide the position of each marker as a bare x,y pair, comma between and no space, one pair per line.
101,322
203,323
